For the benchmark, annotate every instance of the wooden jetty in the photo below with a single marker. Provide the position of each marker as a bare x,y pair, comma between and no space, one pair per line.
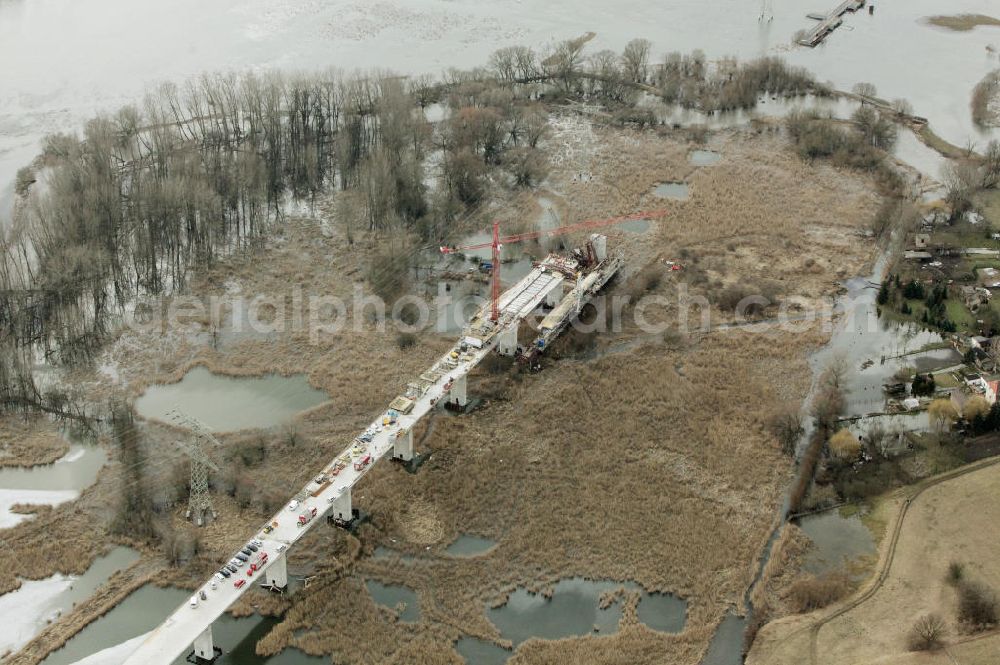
827,23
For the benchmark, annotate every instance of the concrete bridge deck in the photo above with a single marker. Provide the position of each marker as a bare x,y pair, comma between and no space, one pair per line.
189,626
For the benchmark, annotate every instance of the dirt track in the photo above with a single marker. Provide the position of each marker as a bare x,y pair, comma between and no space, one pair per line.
888,556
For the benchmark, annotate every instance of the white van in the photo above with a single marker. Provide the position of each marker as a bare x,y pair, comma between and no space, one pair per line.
194,601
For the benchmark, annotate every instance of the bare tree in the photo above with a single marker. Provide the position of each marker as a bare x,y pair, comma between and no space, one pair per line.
864,90
635,60
927,633
786,425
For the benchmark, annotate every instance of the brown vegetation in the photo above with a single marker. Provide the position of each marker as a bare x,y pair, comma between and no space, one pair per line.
962,22
27,441
984,100
845,445
687,420
811,593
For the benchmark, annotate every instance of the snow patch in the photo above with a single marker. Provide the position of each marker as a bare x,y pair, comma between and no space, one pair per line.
22,612
10,498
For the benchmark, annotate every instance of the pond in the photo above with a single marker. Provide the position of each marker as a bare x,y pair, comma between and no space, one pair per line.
574,610
226,403
837,541
467,545
664,612
672,190
390,595
704,157
480,652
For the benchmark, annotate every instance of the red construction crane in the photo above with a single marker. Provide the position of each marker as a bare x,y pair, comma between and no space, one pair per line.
499,242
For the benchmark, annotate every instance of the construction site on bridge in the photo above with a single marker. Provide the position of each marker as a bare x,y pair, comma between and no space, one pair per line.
502,470
495,327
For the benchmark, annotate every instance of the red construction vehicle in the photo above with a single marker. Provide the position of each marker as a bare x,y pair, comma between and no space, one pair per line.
362,462
306,515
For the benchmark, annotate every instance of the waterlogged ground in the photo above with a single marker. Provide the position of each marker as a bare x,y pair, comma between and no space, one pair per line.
227,403
66,59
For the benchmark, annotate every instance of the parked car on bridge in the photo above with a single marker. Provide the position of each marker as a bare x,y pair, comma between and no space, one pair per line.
239,583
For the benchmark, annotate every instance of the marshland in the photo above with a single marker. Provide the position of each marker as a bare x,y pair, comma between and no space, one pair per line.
163,245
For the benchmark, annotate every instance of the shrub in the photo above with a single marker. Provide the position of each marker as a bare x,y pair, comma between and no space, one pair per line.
786,425
923,384
956,571
926,633
977,605
406,340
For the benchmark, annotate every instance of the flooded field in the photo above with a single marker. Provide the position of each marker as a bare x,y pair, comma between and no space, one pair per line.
69,63
226,403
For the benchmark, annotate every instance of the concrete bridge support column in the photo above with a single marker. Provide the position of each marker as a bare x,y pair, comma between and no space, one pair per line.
507,345
341,508
204,647
555,296
276,574
457,394
402,447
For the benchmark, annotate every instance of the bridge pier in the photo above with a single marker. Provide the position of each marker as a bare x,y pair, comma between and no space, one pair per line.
205,650
402,447
507,344
555,296
340,510
276,575
458,392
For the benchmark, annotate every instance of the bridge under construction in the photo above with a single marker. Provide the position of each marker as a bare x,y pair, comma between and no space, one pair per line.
561,284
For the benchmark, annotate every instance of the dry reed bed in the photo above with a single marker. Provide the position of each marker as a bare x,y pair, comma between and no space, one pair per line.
29,441
615,469
653,465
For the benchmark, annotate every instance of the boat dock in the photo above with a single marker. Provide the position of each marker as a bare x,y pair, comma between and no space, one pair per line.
827,23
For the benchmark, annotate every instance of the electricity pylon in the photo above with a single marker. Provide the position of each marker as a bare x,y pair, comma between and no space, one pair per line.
199,501
766,11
